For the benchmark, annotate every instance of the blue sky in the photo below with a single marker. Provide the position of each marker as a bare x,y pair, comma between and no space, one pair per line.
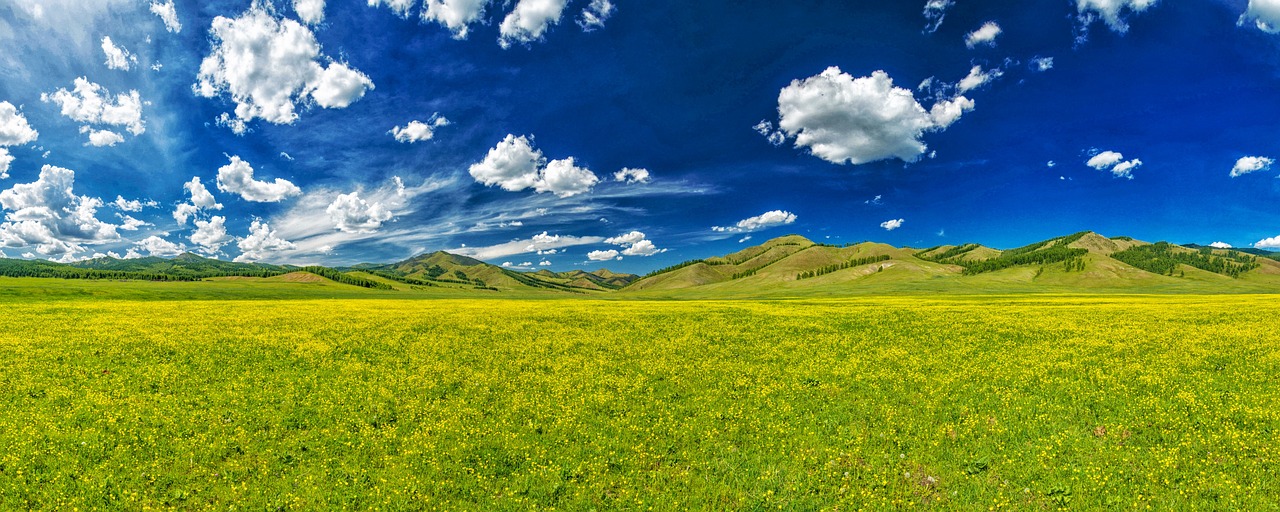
585,133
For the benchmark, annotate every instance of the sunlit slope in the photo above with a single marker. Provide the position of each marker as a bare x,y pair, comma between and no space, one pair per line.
1083,262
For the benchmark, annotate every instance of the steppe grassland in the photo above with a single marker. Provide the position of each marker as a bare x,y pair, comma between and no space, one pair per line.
1041,402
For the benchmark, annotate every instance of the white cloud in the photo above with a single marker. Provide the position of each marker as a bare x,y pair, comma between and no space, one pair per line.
14,129
595,14
156,246
934,12
762,221
529,20
117,57
544,263
100,138
5,161
541,243
1250,164
947,112
93,104
564,179
843,119
136,205
744,239
262,243
309,224
211,235
515,165
400,7
351,214
603,255
1265,14
892,224
456,15
310,12
1104,160
269,66
1114,162
765,128
1268,243
1110,11
1042,64
1220,245
629,175
128,223
201,201
635,244
47,215
1123,169
418,131
168,14
338,86
237,178
984,35
978,78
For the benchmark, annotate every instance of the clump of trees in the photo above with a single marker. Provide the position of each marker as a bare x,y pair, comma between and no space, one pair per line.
856,262
1040,253
344,278
953,252
1164,258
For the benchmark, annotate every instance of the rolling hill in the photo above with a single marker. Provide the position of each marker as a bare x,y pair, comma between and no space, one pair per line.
790,265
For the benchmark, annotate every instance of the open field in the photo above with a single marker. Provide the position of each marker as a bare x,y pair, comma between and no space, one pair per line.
959,402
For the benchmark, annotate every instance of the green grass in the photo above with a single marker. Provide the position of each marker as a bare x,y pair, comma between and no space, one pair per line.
1047,402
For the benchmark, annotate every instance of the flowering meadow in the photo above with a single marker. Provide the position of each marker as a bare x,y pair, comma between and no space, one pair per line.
879,403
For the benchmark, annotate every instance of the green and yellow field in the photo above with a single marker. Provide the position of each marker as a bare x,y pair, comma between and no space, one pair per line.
1033,402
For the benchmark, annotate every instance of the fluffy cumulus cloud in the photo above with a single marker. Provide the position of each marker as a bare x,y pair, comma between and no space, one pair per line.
117,57
1264,14
210,235
6,160
515,165
529,21
842,119
237,178
269,66
1110,11
629,175
984,35
262,243
156,246
1115,163
610,254
14,129
455,15
892,224
136,205
1042,64
310,12
595,14
947,112
977,77
418,131
934,12
762,221
1220,245
201,201
128,223
48,216
765,128
1250,164
168,14
91,103
635,243
351,214
1272,243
